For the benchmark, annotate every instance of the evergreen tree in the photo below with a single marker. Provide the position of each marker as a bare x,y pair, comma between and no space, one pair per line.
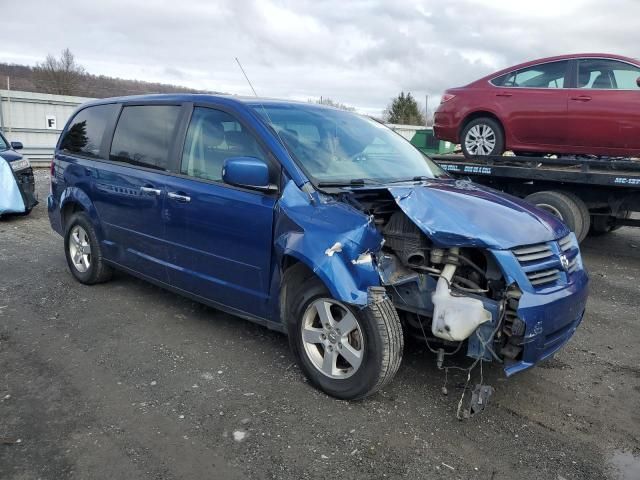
404,110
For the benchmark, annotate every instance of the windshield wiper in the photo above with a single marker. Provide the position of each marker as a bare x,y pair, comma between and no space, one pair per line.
417,178
355,182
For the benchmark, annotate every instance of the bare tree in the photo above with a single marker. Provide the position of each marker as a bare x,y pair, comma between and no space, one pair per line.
332,103
60,76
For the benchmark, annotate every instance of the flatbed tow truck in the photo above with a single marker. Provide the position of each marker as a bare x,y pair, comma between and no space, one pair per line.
590,194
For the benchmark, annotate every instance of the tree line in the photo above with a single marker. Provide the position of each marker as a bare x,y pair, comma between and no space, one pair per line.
63,75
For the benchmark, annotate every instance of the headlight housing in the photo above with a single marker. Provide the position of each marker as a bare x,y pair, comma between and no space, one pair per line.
20,164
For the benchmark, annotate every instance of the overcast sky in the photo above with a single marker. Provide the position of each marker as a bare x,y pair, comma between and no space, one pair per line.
358,52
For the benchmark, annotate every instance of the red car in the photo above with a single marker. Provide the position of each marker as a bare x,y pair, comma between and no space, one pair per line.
570,104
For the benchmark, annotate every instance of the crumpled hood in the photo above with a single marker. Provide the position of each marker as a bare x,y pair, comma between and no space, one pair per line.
458,213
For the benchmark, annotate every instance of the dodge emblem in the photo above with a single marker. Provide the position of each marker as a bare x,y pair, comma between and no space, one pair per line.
564,261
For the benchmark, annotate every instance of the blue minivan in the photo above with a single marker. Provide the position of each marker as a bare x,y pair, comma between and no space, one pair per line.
316,222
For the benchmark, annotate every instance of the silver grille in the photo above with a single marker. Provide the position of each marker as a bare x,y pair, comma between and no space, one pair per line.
565,243
533,253
534,259
543,276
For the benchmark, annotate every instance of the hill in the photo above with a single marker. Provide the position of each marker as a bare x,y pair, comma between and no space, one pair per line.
95,86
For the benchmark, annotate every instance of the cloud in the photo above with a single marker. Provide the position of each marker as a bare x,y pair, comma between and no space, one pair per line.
357,52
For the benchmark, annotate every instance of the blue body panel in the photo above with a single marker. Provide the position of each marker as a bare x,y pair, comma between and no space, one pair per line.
10,155
227,245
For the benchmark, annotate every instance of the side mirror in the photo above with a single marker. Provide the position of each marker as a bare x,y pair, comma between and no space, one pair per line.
638,81
247,172
17,145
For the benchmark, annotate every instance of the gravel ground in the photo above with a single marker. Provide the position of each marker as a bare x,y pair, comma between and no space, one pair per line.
124,380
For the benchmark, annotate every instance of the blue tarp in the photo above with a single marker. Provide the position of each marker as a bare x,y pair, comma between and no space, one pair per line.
10,197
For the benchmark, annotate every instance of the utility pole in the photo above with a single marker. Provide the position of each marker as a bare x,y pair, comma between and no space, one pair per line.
9,103
426,110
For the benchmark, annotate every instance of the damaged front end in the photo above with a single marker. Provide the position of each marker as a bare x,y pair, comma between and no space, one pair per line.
456,289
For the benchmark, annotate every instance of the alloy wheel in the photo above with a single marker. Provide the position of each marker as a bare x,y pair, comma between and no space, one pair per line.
332,338
80,248
480,139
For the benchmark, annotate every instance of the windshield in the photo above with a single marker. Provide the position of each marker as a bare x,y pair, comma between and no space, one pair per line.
3,143
334,146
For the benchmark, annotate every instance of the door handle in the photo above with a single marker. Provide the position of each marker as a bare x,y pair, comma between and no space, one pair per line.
581,98
179,197
150,191
504,94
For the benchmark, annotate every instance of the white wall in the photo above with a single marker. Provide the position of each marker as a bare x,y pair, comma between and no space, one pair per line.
24,118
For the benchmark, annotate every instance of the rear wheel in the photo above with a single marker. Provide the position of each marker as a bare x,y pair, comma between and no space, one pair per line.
567,207
83,252
346,352
601,224
482,136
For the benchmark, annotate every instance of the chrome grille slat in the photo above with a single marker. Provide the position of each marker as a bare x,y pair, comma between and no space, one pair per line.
543,273
547,276
573,265
565,243
534,256
532,253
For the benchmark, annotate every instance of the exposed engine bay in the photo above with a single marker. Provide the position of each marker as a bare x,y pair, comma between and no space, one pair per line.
448,297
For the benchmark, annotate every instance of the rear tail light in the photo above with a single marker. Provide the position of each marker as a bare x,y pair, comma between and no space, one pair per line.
446,97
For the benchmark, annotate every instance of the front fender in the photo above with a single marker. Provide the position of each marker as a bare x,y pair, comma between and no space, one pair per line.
332,239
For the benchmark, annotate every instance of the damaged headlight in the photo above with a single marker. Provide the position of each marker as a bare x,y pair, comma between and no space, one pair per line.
20,164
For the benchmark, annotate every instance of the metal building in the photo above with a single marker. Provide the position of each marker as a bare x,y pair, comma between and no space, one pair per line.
36,120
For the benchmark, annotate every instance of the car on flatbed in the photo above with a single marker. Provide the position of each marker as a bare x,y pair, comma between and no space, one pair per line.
316,222
571,104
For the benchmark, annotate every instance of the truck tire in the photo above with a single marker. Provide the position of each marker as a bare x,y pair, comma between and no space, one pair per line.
482,136
83,252
566,206
601,224
584,211
346,352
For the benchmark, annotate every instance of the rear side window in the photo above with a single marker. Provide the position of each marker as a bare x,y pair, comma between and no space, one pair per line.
86,131
144,135
546,75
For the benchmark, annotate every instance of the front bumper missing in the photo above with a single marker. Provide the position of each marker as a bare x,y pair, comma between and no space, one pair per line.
551,320
27,186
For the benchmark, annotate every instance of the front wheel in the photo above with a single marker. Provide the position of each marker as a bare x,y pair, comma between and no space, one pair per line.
482,136
346,352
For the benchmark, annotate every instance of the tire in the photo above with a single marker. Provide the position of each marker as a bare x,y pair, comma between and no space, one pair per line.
477,130
377,341
584,211
566,206
83,252
603,224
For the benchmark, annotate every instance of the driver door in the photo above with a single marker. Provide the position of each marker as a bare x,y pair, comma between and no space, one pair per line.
220,235
604,108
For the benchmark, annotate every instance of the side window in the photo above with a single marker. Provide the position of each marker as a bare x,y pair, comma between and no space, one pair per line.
212,137
86,131
144,134
607,74
546,75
